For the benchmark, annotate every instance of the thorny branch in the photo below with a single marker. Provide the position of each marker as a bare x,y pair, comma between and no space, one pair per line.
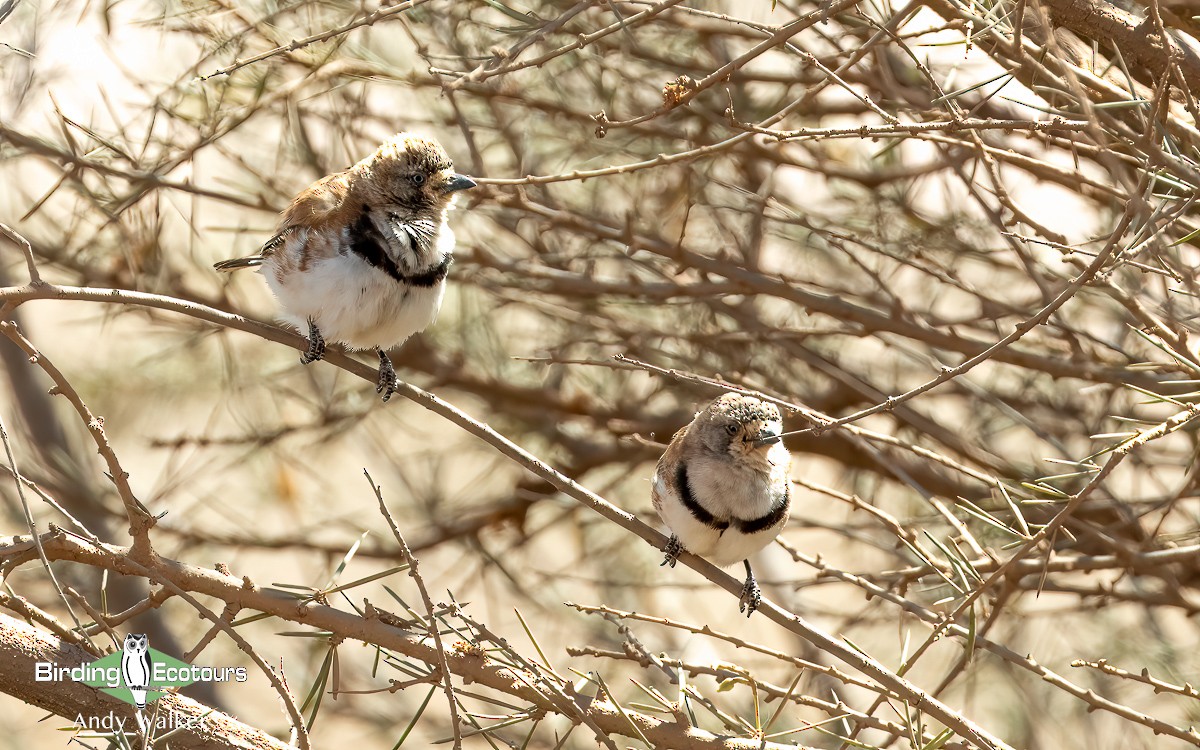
958,248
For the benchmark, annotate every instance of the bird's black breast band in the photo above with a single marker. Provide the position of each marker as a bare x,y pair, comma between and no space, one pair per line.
689,501
431,276
370,245
774,516
746,526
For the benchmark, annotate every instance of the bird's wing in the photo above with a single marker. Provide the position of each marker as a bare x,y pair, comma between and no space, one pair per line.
668,466
276,242
322,202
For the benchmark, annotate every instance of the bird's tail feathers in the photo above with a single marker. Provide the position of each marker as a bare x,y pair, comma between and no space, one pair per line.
235,263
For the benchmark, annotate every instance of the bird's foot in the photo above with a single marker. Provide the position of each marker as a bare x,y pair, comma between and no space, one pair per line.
316,344
387,377
673,548
751,594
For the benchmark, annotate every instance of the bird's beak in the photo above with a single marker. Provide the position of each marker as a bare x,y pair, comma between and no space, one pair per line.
770,433
458,182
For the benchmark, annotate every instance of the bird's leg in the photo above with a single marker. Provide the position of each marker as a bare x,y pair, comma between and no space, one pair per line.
751,595
316,344
673,548
387,376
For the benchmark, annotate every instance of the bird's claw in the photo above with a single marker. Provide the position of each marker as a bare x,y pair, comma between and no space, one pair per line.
316,344
673,548
387,384
751,596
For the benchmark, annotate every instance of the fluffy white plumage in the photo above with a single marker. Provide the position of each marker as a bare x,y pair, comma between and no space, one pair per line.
726,489
722,485
361,257
351,301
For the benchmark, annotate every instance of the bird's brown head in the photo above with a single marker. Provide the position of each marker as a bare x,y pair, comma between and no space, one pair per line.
411,176
738,425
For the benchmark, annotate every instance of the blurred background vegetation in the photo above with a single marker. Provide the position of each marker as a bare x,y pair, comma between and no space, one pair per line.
983,209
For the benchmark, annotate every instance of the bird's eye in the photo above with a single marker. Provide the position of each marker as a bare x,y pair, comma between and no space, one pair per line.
732,429
417,179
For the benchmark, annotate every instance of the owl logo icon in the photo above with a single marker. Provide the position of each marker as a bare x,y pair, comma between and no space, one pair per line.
136,667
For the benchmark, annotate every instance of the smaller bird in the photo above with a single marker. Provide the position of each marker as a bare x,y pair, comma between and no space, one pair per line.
722,486
361,256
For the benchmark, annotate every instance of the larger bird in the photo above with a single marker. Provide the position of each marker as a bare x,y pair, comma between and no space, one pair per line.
361,256
722,486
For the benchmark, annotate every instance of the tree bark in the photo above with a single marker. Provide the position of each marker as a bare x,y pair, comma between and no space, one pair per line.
22,646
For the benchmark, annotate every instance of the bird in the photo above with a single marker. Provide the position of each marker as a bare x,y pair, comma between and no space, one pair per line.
722,486
360,257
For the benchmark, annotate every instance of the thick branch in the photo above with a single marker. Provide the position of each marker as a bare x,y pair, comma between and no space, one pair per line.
1138,41
471,664
22,646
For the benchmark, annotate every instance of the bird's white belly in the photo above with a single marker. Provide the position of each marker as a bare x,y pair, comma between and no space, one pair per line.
734,546
697,538
722,548
354,303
